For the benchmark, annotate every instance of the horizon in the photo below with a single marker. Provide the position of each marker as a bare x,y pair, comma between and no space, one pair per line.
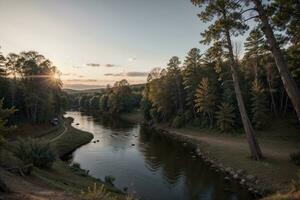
97,43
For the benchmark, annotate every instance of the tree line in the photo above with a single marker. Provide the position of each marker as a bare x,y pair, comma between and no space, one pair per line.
219,87
119,98
30,84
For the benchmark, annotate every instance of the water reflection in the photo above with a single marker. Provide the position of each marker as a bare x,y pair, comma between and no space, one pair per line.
151,165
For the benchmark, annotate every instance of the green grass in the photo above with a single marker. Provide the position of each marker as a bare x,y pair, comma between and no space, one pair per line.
71,140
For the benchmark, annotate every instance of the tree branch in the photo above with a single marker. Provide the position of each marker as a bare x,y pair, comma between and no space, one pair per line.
251,18
249,9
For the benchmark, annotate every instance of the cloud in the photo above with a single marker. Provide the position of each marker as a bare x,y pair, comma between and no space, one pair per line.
109,65
100,65
81,80
129,74
93,65
76,67
137,74
132,59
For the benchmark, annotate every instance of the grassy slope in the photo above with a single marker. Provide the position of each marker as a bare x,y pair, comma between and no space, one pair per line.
61,177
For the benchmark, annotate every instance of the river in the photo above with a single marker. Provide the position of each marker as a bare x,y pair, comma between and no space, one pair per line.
150,165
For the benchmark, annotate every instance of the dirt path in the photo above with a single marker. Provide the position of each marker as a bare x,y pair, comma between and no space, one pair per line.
24,189
280,149
58,136
275,171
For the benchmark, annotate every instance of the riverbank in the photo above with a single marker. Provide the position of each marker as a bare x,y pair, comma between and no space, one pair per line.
61,181
229,154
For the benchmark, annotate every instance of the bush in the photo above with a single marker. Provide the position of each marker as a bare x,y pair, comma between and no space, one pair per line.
295,158
100,193
96,193
109,180
178,121
36,152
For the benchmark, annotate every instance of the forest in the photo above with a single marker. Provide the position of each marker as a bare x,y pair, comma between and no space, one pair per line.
229,88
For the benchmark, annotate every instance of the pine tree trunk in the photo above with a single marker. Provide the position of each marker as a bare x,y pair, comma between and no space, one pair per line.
253,144
288,82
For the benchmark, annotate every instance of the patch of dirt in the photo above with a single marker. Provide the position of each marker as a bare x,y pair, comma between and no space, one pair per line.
23,189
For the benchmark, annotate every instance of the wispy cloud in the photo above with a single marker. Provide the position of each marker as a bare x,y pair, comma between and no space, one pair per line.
93,64
136,74
129,74
81,80
132,59
100,65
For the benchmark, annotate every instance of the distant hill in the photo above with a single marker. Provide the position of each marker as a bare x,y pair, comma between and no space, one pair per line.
88,91
99,90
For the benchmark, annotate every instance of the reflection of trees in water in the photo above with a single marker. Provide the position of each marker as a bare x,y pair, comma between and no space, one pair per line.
177,162
161,152
110,122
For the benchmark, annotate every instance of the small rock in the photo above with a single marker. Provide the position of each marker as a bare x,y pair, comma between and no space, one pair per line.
227,178
235,176
242,182
240,171
250,178
228,169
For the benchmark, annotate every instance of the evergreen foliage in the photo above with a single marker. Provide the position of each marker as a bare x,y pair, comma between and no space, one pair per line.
225,117
205,100
258,105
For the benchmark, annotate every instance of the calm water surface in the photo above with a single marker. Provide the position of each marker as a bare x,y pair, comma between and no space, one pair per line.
152,166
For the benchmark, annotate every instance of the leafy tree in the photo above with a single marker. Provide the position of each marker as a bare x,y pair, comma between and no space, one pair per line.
4,114
227,21
225,117
103,103
94,102
259,108
205,99
3,70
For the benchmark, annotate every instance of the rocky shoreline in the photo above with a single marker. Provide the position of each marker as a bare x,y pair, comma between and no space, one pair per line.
240,176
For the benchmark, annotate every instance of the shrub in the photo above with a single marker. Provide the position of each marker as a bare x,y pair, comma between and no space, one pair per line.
295,158
77,169
96,193
99,193
178,121
110,180
36,152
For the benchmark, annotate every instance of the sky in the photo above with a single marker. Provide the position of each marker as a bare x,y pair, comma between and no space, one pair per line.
97,42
